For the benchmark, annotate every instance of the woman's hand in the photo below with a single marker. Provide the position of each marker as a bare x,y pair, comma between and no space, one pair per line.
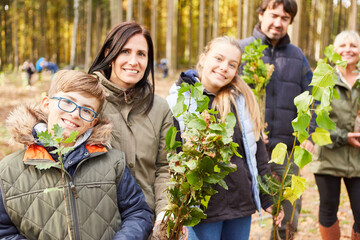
277,219
308,145
353,139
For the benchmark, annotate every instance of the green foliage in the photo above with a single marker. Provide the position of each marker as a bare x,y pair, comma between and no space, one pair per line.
256,73
57,141
203,162
323,82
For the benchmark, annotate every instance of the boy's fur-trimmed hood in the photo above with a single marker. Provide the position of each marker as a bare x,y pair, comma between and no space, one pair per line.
22,119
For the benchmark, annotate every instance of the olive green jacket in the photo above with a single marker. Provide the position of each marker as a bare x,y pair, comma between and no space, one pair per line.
142,138
339,158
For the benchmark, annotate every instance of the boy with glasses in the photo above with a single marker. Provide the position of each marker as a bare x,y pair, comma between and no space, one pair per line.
102,198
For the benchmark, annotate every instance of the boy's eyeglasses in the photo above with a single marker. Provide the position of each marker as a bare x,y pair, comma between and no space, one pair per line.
69,106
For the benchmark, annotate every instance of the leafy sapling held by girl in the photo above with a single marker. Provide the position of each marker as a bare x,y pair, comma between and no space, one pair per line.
229,211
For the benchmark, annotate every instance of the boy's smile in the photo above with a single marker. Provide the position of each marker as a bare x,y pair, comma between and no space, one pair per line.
70,121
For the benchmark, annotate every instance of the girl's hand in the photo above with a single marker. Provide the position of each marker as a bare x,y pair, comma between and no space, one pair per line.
279,218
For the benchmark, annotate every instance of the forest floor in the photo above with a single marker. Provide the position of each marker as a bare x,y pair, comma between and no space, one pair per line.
13,92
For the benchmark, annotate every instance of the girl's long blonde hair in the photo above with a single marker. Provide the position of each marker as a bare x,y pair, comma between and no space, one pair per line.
226,97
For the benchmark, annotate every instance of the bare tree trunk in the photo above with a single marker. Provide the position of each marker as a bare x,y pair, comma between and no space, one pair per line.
296,25
190,33
340,15
15,36
114,12
251,18
169,34
88,36
216,19
98,27
239,16
43,21
129,12
153,26
120,2
73,42
141,12
352,16
201,25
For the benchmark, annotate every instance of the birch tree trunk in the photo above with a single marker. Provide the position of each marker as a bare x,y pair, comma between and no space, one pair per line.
201,25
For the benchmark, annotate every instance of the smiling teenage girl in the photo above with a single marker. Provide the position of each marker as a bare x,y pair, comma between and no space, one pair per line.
229,211
140,118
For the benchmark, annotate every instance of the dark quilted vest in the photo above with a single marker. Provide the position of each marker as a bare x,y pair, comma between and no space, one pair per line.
41,215
285,84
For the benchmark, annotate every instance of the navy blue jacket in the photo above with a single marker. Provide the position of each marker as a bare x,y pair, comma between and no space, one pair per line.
291,77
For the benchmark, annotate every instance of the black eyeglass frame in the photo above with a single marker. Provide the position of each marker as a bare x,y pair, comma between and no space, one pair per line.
77,106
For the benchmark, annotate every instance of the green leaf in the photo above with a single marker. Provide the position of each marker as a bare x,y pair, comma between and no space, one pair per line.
58,131
298,186
206,164
46,139
205,201
324,121
191,164
278,154
198,124
72,137
194,178
170,139
301,122
196,215
301,157
44,166
303,101
179,107
321,137
323,75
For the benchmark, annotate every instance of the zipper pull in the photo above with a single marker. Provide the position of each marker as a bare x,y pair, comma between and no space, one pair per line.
73,189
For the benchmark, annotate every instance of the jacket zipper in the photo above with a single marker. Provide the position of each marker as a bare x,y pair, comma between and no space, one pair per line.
73,195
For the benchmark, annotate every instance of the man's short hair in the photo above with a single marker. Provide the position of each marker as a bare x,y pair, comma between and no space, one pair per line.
77,81
290,6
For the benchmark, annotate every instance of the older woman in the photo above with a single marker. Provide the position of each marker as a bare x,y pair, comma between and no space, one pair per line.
341,159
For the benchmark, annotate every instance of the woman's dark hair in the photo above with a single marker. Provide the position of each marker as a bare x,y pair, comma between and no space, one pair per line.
290,6
114,43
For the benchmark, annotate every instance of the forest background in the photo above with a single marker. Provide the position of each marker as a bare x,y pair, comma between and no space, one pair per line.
70,32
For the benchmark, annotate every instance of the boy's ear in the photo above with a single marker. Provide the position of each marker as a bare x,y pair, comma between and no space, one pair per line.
44,105
202,59
93,123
